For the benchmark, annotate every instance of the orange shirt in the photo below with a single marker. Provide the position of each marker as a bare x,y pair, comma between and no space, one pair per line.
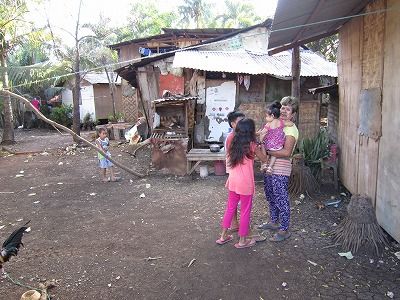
241,177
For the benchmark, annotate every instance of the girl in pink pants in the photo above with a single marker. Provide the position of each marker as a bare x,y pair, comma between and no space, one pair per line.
241,151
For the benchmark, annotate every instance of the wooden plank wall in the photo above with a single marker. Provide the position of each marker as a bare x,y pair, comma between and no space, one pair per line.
372,73
388,191
333,118
349,69
147,78
103,101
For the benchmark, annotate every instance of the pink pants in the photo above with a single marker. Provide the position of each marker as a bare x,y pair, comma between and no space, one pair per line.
245,209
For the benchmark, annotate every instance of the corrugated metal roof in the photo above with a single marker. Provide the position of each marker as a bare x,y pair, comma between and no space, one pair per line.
292,16
279,65
96,78
175,99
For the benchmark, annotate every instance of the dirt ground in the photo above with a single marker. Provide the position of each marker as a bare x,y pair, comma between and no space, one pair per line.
95,239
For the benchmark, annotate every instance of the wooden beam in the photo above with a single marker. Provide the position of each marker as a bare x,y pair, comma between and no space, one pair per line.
301,42
296,65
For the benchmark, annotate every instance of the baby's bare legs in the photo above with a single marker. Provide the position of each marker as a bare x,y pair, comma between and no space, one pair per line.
271,164
264,165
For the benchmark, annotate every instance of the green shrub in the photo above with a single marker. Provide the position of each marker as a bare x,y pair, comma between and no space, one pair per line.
118,117
88,123
62,115
314,150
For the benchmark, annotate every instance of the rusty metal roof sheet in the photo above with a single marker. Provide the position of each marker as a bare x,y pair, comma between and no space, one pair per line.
96,78
279,65
174,99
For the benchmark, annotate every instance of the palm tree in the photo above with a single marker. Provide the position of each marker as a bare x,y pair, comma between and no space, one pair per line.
11,15
238,15
195,10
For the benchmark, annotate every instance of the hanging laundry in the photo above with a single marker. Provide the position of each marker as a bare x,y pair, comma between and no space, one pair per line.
240,78
246,82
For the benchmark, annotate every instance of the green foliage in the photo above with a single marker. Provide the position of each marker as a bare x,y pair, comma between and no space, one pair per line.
45,110
145,20
118,117
88,122
314,150
328,47
196,12
62,115
238,15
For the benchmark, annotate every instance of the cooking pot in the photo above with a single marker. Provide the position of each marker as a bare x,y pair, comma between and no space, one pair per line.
214,148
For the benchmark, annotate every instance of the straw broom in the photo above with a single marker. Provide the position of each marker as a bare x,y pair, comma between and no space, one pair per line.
301,180
360,227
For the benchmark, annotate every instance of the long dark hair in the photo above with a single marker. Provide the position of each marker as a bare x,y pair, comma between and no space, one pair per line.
245,133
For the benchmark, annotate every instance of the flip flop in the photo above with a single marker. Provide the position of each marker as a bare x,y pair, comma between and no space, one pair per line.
258,238
278,237
268,226
247,244
221,241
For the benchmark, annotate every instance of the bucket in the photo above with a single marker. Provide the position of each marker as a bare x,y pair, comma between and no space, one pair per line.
220,169
203,171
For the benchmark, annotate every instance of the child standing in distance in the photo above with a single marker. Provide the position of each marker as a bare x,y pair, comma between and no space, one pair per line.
103,143
241,150
272,135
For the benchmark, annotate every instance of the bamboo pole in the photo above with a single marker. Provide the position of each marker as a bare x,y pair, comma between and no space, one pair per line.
55,124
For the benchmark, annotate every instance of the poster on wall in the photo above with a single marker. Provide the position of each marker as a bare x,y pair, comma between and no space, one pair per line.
220,100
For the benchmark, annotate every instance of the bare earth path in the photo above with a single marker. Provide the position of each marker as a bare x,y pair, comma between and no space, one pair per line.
94,238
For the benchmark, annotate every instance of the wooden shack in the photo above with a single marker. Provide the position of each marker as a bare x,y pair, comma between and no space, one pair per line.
369,70
173,130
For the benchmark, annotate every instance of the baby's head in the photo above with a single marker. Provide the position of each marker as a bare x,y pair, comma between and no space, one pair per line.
102,133
273,111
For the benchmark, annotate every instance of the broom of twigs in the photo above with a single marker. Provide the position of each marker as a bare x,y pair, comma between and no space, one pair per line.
301,180
360,227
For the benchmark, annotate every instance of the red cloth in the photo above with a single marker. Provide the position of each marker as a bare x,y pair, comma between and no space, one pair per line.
35,102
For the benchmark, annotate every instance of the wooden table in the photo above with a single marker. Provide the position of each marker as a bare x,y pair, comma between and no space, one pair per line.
199,155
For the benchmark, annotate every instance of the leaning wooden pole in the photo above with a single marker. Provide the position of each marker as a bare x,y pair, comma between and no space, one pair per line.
55,124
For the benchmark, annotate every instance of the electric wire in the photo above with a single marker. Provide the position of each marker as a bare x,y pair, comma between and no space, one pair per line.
128,62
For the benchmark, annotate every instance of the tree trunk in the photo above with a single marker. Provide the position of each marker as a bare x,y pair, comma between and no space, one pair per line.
8,130
76,96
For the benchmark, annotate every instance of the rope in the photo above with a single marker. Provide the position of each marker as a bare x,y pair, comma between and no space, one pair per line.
16,282
199,46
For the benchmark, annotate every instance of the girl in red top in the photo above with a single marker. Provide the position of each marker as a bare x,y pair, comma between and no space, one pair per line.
241,151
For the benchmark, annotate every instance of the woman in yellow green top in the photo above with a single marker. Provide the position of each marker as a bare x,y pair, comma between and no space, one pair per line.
276,183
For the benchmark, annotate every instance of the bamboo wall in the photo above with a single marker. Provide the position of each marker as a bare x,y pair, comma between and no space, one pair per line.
368,59
372,71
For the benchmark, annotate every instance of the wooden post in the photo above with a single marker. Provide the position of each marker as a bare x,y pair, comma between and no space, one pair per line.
296,72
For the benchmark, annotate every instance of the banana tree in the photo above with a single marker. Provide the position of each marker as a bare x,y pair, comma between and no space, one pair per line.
11,16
